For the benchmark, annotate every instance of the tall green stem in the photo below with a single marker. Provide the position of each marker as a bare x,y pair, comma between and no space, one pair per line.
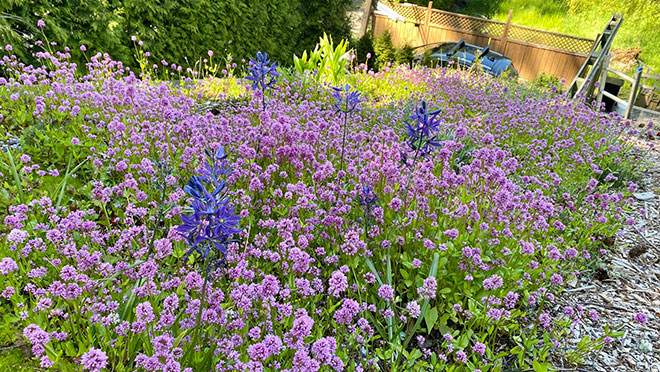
343,141
196,338
388,278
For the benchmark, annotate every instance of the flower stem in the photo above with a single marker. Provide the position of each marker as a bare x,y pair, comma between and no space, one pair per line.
196,339
343,141
388,278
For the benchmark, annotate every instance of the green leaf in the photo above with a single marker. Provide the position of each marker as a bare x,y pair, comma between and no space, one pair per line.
538,367
442,323
433,272
17,178
70,350
431,317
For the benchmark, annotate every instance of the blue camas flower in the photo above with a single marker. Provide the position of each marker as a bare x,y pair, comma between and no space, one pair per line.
215,167
421,130
367,197
212,222
262,72
347,101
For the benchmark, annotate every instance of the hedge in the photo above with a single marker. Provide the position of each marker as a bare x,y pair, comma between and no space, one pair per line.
173,29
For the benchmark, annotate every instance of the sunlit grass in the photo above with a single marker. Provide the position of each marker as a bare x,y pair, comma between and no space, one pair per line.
587,18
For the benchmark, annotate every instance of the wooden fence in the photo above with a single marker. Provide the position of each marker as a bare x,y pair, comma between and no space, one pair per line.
532,51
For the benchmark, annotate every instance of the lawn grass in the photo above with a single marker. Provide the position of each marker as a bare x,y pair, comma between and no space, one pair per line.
587,18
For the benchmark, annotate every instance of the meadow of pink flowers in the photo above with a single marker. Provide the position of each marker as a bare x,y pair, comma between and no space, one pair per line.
342,246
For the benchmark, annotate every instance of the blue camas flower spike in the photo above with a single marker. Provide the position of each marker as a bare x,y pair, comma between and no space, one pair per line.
421,128
195,188
212,223
367,198
262,72
215,167
346,101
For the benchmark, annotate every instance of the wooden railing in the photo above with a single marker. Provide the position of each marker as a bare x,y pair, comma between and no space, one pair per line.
651,75
634,81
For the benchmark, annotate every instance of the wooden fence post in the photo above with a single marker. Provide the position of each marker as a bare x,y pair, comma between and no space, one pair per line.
505,33
603,79
633,92
427,22
365,18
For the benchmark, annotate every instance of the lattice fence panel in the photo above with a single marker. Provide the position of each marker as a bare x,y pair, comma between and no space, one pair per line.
411,12
490,28
487,27
565,42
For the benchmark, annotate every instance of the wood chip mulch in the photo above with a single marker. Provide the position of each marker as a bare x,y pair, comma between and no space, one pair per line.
626,282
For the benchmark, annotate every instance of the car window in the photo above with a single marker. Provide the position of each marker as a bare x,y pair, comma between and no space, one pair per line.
470,49
493,56
442,48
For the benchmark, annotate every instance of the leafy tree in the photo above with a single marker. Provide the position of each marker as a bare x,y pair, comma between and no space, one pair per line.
319,16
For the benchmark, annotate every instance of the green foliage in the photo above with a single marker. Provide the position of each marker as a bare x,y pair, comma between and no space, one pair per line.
13,352
482,8
172,30
234,27
327,62
381,51
68,23
404,55
437,4
385,51
318,17
547,82
587,18
427,60
364,46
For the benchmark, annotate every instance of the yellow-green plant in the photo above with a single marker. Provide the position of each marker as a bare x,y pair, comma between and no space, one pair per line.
326,62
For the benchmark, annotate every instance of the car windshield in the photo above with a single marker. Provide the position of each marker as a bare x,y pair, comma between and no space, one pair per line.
469,49
494,56
443,48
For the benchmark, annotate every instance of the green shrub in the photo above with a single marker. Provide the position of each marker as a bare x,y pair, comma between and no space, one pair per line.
384,50
427,60
316,17
404,56
547,82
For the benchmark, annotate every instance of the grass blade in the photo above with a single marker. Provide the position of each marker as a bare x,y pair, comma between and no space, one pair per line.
371,266
425,305
62,186
17,178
